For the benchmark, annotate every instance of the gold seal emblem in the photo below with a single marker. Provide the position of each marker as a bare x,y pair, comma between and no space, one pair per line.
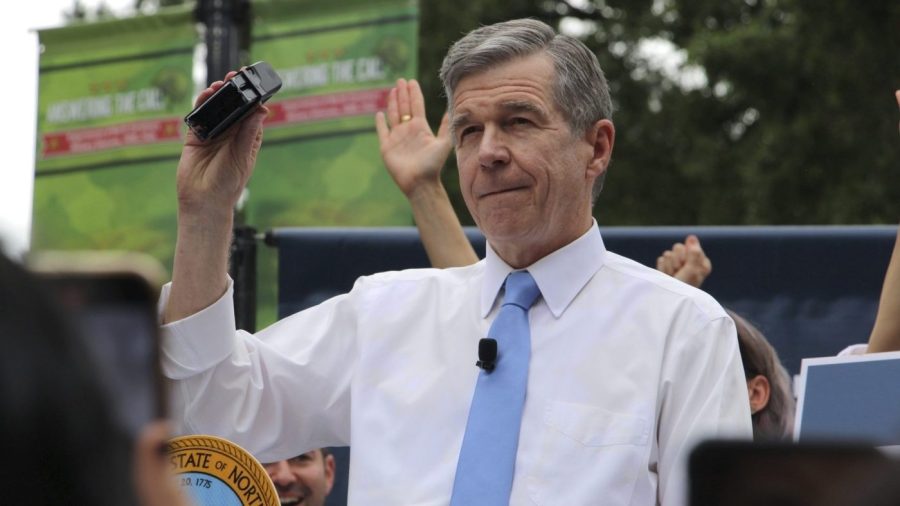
216,472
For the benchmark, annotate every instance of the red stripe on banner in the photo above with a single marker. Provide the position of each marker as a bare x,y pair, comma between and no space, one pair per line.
321,107
87,140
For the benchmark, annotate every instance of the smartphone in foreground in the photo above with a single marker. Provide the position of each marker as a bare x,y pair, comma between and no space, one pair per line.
826,473
111,301
252,86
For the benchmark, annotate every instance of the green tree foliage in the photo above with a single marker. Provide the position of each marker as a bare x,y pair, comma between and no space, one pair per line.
79,13
797,122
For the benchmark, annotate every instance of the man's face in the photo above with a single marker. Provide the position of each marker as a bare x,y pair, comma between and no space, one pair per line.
525,177
303,480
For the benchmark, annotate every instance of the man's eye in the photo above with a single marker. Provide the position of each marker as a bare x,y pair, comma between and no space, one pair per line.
467,131
520,121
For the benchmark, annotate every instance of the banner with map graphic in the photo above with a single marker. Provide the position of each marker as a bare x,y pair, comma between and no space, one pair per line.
112,96
320,163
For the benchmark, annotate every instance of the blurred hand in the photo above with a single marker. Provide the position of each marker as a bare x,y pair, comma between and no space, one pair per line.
212,174
413,155
155,483
686,262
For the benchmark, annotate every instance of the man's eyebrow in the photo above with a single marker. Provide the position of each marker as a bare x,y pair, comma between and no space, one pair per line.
524,106
510,106
457,121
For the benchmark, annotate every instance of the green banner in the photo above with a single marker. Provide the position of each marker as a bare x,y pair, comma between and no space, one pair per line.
112,96
320,162
337,60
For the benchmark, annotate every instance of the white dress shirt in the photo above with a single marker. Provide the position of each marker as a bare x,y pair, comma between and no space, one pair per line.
629,369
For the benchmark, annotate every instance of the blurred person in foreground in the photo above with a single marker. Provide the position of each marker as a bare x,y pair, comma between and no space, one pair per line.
304,480
625,368
58,434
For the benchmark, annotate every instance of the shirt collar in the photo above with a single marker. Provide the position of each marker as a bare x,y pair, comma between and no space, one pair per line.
559,275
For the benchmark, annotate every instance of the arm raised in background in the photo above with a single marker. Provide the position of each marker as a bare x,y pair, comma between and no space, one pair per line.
886,332
414,157
211,176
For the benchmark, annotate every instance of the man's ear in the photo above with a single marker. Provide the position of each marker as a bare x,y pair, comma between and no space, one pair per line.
329,472
602,136
759,390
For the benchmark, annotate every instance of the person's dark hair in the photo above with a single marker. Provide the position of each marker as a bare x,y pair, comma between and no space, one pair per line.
776,419
57,433
580,92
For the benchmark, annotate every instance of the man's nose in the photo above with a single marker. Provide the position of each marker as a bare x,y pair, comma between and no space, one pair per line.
493,151
280,473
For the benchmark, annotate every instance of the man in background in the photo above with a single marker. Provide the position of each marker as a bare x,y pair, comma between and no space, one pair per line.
305,479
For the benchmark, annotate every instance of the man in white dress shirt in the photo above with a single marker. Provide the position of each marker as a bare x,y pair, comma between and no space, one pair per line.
629,367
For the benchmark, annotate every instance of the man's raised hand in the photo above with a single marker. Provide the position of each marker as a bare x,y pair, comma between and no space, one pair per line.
212,174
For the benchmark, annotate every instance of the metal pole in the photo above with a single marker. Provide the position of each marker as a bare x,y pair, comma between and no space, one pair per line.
227,23
222,52
242,267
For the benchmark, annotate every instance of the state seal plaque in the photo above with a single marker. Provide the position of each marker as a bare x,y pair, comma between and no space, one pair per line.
216,472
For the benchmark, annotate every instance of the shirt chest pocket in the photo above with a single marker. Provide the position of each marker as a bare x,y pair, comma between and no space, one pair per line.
587,455
592,426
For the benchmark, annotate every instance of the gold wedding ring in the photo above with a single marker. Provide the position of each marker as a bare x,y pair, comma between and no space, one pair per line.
405,118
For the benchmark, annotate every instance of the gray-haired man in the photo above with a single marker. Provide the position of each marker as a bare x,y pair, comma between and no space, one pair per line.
628,368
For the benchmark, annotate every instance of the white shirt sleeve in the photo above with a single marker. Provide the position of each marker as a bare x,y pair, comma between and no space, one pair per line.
854,349
705,396
281,391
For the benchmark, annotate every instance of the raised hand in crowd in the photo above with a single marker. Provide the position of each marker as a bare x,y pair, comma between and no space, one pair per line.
414,157
886,331
686,262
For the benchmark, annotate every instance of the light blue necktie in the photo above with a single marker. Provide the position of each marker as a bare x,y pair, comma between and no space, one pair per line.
484,472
